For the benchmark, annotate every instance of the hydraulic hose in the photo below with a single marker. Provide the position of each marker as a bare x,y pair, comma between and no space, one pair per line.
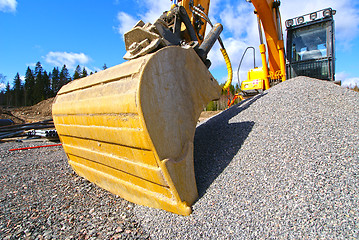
198,12
240,63
229,69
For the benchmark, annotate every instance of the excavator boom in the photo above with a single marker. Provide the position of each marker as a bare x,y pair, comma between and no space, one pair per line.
269,16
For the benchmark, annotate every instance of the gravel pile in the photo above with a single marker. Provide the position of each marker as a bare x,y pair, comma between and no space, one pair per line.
42,198
281,165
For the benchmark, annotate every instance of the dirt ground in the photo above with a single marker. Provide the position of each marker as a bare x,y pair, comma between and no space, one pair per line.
42,111
38,112
207,114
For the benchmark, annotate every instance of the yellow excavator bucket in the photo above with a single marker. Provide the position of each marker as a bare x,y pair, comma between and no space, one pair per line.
130,128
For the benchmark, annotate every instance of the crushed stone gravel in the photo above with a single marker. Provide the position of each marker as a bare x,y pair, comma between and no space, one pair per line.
284,164
41,197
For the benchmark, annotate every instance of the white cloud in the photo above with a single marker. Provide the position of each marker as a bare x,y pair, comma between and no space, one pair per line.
155,10
150,14
238,20
71,60
126,22
350,82
2,86
2,82
30,64
346,79
88,70
97,69
8,5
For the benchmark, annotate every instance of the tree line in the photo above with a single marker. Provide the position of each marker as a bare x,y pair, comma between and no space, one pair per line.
38,85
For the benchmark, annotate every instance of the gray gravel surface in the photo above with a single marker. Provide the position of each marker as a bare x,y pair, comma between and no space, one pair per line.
42,198
280,165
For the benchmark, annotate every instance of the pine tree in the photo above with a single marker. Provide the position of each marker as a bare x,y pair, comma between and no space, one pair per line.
51,93
55,81
38,90
38,69
18,91
47,85
64,76
39,83
77,73
84,72
8,94
29,87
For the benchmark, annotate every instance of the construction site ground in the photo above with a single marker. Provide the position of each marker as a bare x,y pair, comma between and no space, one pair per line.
38,112
284,164
42,111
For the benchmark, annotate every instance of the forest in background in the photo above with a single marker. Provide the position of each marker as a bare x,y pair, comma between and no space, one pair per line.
38,85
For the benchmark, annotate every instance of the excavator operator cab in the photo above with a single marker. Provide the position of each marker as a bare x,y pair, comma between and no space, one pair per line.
310,45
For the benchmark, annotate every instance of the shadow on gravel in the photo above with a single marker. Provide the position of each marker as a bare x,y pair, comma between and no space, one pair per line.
217,141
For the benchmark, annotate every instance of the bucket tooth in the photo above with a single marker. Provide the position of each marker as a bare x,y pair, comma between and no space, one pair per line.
130,128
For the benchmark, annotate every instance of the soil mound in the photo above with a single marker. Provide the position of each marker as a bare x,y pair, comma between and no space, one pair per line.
38,112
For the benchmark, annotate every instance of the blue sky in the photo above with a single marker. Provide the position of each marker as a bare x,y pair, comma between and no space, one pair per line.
90,32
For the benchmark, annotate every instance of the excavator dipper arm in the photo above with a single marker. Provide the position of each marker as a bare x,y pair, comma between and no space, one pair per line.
266,11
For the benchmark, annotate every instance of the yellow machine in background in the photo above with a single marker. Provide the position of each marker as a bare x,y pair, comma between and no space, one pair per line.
262,78
310,48
130,128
